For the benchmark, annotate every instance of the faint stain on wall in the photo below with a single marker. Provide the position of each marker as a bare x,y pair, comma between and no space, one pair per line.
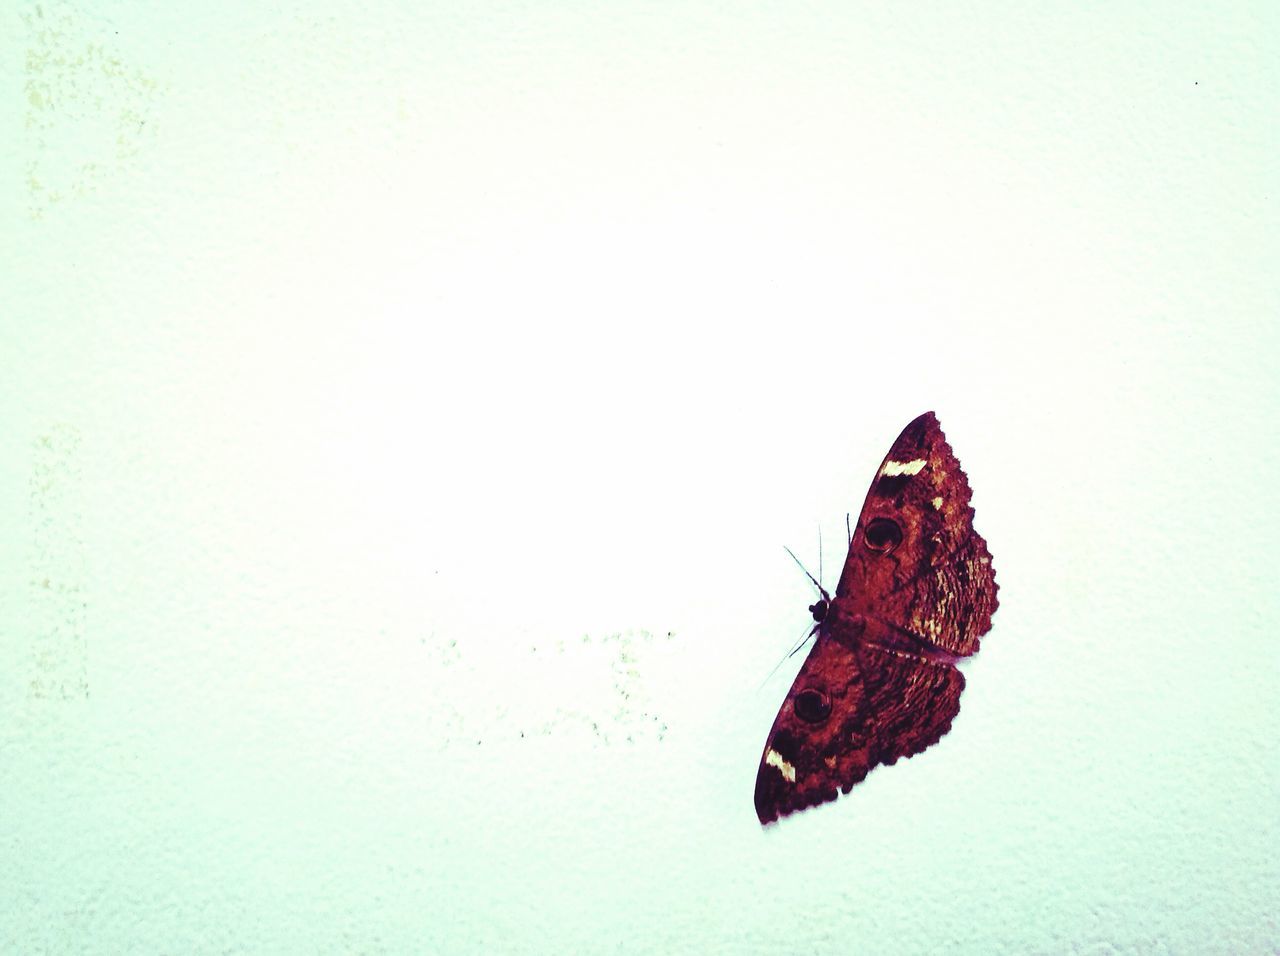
59,661
87,110
612,702
591,687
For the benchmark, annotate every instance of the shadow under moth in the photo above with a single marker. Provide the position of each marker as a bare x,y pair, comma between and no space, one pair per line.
916,593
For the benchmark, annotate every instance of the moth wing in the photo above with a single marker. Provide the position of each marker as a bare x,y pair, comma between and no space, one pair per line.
854,704
813,751
911,701
915,560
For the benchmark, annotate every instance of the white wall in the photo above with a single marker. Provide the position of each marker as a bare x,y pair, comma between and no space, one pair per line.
404,407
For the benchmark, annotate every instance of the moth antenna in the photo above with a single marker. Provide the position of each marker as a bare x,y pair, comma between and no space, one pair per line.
801,643
848,530
790,654
821,576
816,584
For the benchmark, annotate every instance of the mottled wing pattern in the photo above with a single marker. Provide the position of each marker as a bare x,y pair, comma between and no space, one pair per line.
817,746
912,700
855,704
915,560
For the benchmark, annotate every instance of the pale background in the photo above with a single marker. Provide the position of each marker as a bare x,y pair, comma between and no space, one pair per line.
404,407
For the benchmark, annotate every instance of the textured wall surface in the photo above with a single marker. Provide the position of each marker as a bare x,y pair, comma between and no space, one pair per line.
404,406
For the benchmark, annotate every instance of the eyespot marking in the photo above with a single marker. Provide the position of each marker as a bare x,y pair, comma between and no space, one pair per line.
774,759
812,706
902,467
882,534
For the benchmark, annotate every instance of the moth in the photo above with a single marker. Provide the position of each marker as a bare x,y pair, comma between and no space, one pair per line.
916,593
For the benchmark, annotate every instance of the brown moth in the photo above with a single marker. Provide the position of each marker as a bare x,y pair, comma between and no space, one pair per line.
916,593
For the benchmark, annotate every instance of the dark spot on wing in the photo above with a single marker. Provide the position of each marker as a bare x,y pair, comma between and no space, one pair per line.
889,485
